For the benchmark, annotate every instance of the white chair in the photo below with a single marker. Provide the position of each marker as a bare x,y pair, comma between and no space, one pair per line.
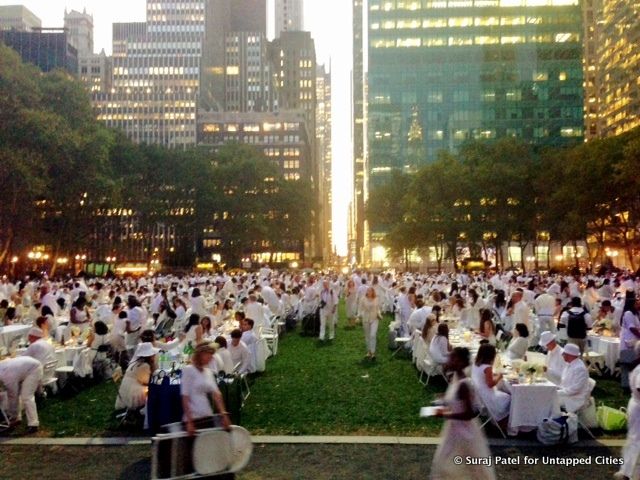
400,343
580,413
483,411
431,369
4,405
270,335
49,379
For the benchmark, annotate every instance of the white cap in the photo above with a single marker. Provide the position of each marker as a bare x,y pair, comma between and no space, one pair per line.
572,349
35,332
546,338
145,349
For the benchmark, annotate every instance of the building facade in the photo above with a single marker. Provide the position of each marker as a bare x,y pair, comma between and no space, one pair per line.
591,11
289,16
618,67
96,72
441,73
358,240
324,156
79,27
48,49
18,17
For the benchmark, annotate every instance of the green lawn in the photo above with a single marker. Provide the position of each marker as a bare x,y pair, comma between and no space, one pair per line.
309,388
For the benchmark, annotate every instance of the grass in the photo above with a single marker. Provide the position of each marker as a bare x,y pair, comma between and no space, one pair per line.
319,388
309,388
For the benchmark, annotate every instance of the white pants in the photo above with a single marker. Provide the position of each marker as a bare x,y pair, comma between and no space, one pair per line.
23,394
370,333
546,324
327,317
631,450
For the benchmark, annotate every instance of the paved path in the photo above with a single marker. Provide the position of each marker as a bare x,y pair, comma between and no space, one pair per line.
286,461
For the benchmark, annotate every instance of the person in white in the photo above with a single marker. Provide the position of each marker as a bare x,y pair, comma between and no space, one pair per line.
631,451
199,391
369,311
418,317
255,311
198,303
132,393
577,321
496,401
22,376
462,436
520,309
223,361
328,306
575,385
240,354
629,335
519,343
554,363
545,307
440,347
39,348
250,340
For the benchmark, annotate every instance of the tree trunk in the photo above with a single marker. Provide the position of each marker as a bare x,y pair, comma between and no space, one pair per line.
575,254
7,246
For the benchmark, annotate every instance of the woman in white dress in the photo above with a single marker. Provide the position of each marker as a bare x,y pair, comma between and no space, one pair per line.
519,344
631,451
369,312
487,328
350,297
198,303
462,435
440,347
133,389
496,401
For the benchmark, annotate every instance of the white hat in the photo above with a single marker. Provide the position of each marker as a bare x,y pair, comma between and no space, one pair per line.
35,332
572,349
546,338
144,349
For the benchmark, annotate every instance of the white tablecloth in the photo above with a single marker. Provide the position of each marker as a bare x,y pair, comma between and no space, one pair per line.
609,347
11,332
530,404
67,355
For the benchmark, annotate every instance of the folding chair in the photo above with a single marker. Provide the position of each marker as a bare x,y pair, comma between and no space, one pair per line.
431,369
49,379
400,343
5,424
244,385
581,424
485,412
270,335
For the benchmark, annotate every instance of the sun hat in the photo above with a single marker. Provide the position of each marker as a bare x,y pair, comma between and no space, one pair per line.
546,338
143,350
572,349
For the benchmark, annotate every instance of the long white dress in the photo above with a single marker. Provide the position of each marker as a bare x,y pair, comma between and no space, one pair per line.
497,402
350,302
463,438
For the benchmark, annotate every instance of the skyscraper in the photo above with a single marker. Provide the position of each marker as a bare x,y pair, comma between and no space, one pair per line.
591,11
18,17
357,237
289,16
156,74
618,67
80,31
47,48
444,72
324,156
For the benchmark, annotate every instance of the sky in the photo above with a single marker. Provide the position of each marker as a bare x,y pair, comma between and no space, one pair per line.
329,22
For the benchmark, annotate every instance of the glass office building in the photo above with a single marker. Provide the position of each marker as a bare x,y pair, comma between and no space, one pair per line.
444,72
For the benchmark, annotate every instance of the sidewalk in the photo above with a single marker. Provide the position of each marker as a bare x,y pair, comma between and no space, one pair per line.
299,440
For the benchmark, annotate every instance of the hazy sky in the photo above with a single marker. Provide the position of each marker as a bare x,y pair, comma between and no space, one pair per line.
330,24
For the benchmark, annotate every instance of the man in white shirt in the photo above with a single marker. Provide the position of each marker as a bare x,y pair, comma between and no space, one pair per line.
545,306
250,339
328,306
575,385
39,348
240,354
47,298
22,376
577,321
418,317
255,311
520,309
554,363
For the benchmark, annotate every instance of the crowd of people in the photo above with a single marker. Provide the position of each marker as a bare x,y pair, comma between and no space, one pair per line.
220,318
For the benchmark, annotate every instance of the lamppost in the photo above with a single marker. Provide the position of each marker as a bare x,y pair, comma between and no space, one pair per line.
14,260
